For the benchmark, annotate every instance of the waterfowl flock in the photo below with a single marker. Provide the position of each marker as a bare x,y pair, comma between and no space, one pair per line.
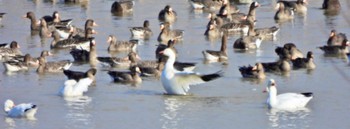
225,22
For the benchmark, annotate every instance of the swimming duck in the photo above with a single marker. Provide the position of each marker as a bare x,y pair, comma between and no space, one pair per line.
286,101
27,110
256,71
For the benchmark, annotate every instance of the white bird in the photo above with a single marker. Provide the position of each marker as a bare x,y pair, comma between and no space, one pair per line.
178,82
27,110
74,88
286,101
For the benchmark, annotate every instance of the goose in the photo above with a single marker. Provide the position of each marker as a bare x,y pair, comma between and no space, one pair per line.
74,88
22,65
282,65
250,41
167,34
307,62
55,20
289,51
144,31
336,39
226,9
266,33
58,66
65,32
167,14
214,19
212,31
299,6
119,45
79,32
82,55
250,17
231,27
124,6
206,4
336,50
13,50
131,76
331,5
34,24
286,101
119,62
73,42
77,75
221,55
256,71
171,44
44,31
26,110
176,82
283,13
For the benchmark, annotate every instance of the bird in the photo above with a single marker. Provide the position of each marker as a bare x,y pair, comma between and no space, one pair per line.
211,55
77,75
44,31
177,82
132,76
57,66
34,24
307,62
266,33
332,6
119,62
212,31
336,50
13,50
206,4
250,41
119,45
289,51
167,34
83,42
283,13
299,6
167,14
123,6
286,101
20,65
256,71
282,65
83,55
26,110
74,88
142,32
336,39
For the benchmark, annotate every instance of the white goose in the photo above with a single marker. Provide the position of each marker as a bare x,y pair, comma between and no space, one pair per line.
73,88
27,110
286,101
178,82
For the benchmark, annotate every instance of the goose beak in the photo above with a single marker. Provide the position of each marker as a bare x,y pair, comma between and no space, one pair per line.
94,24
109,39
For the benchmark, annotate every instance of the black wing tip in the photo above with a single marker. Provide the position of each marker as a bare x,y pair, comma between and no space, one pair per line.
307,94
213,76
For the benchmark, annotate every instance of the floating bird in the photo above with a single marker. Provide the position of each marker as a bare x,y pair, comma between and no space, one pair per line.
142,32
283,13
176,82
336,39
221,55
286,101
131,76
119,45
27,110
74,88
307,62
167,14
256,71
123,6
77,75
58,66
167,34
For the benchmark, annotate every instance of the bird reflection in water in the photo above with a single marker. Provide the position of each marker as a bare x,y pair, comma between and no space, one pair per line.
171,115
297,119
78,115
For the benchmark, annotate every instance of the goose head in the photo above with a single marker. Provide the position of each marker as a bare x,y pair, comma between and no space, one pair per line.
8,105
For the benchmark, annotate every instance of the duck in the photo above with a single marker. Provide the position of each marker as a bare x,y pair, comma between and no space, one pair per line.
211,55
331,5
53,67
307,62
283,13
336,39
83,42
83,55
286,101
336,50
77,75
167,14
26,110
299,6
143,32
12,51
167,34
77,85
20,65
256,71
176,82
282,65
131,76
119,45
124,6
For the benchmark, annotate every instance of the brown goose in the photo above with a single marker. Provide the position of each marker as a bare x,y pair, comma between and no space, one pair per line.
142,32
336,50
19,65
226,10
34,24
282,65
336,39
123,6
131,76
307,62
299,6
283,13
206,4
331,5
52,66
82,55
256,71
289,51
167,14
123,62
167,34
82,42
119,45
44,31
12,51
212,31
77,75
221,55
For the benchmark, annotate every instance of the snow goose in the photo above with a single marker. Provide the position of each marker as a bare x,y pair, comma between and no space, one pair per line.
74,88
221,55
27,110
286,101
176,82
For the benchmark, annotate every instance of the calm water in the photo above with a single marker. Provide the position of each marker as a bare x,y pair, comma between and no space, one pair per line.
229,102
